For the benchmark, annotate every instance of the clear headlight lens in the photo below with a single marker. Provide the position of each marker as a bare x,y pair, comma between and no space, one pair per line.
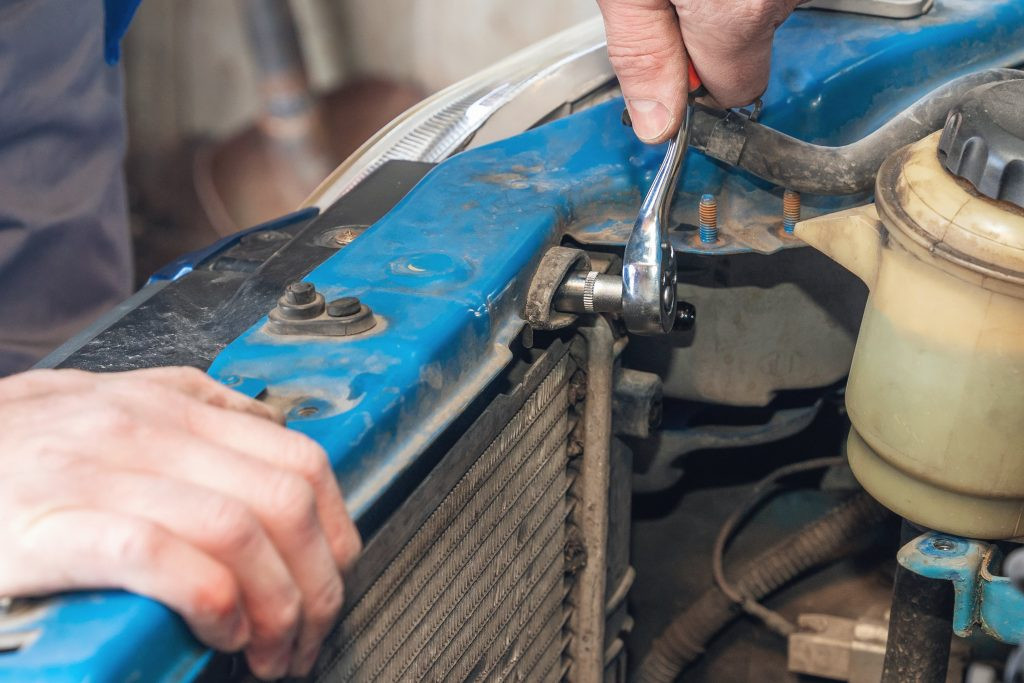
500,101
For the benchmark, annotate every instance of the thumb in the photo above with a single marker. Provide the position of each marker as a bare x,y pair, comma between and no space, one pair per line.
646,50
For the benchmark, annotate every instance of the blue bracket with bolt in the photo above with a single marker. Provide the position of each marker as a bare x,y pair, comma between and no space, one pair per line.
982,599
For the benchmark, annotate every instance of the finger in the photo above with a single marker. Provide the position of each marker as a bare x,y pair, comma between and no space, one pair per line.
26,385
90,549
200,386
155,404
223,528
187,381
283,502
646,51
731,48
293,451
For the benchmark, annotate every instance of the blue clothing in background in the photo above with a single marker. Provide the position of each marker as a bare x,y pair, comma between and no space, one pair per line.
118,14
65,253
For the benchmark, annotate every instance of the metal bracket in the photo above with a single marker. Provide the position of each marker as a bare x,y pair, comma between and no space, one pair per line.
556,264
981,599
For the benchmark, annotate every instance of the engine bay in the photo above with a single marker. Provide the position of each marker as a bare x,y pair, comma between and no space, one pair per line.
547,494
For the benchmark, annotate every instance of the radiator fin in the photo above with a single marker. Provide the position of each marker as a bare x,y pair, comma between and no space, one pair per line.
478,591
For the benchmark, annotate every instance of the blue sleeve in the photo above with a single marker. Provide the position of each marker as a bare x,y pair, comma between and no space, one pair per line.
118,14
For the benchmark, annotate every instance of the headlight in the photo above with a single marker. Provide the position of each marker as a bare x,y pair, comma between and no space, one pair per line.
539,82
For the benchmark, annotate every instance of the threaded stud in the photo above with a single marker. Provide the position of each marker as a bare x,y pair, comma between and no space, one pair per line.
790,210
707,219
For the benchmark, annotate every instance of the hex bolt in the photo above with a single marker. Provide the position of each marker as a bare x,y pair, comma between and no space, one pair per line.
707,219
300,293
344,307
790,210
943,544
300,301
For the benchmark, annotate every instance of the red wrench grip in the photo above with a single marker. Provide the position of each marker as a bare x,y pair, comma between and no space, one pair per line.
697,88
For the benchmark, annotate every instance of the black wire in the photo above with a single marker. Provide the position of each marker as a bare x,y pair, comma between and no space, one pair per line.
762,490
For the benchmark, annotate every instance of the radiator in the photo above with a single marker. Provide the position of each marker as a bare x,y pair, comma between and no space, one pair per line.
470,579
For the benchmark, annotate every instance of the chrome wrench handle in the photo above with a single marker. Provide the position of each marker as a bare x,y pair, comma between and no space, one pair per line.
649,261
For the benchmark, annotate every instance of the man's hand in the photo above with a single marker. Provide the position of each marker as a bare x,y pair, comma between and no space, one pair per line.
165,483
651,41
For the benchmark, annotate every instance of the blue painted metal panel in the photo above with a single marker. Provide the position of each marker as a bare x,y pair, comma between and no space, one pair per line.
446,269
835,78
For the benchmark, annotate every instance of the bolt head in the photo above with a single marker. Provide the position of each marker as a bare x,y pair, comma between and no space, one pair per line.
686,316
344,307
343,237
300,293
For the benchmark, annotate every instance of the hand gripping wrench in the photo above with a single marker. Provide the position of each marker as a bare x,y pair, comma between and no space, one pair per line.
649,261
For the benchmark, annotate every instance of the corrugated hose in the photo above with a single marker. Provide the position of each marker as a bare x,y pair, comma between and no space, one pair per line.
826,539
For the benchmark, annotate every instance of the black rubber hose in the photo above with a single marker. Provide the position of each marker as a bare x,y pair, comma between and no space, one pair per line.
814,169
826,539
920,625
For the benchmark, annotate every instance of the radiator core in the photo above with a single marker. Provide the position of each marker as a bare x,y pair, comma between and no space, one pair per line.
468,580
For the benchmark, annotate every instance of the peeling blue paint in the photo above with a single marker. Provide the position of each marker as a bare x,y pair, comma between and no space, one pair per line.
446,270
981,599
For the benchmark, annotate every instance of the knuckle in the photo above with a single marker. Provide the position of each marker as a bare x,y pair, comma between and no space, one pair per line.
232,526
50,452
291,501
284,617
307,458
111,418
215,596
763,13
140,545
637,60
742,96
324,605
346,548
189,374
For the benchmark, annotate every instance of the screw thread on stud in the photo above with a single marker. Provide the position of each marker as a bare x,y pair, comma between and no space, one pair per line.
707,219
790,210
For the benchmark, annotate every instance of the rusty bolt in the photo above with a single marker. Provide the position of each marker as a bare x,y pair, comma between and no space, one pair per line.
707,217
790,210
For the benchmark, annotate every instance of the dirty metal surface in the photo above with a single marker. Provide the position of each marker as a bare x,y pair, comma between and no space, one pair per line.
835,78
447,270
476,552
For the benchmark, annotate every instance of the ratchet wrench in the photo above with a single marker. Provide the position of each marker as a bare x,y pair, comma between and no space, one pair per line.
649,261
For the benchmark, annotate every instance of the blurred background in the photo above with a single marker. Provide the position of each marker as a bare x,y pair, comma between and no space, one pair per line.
237,109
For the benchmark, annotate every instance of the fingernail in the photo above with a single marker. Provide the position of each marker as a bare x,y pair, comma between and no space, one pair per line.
650,118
